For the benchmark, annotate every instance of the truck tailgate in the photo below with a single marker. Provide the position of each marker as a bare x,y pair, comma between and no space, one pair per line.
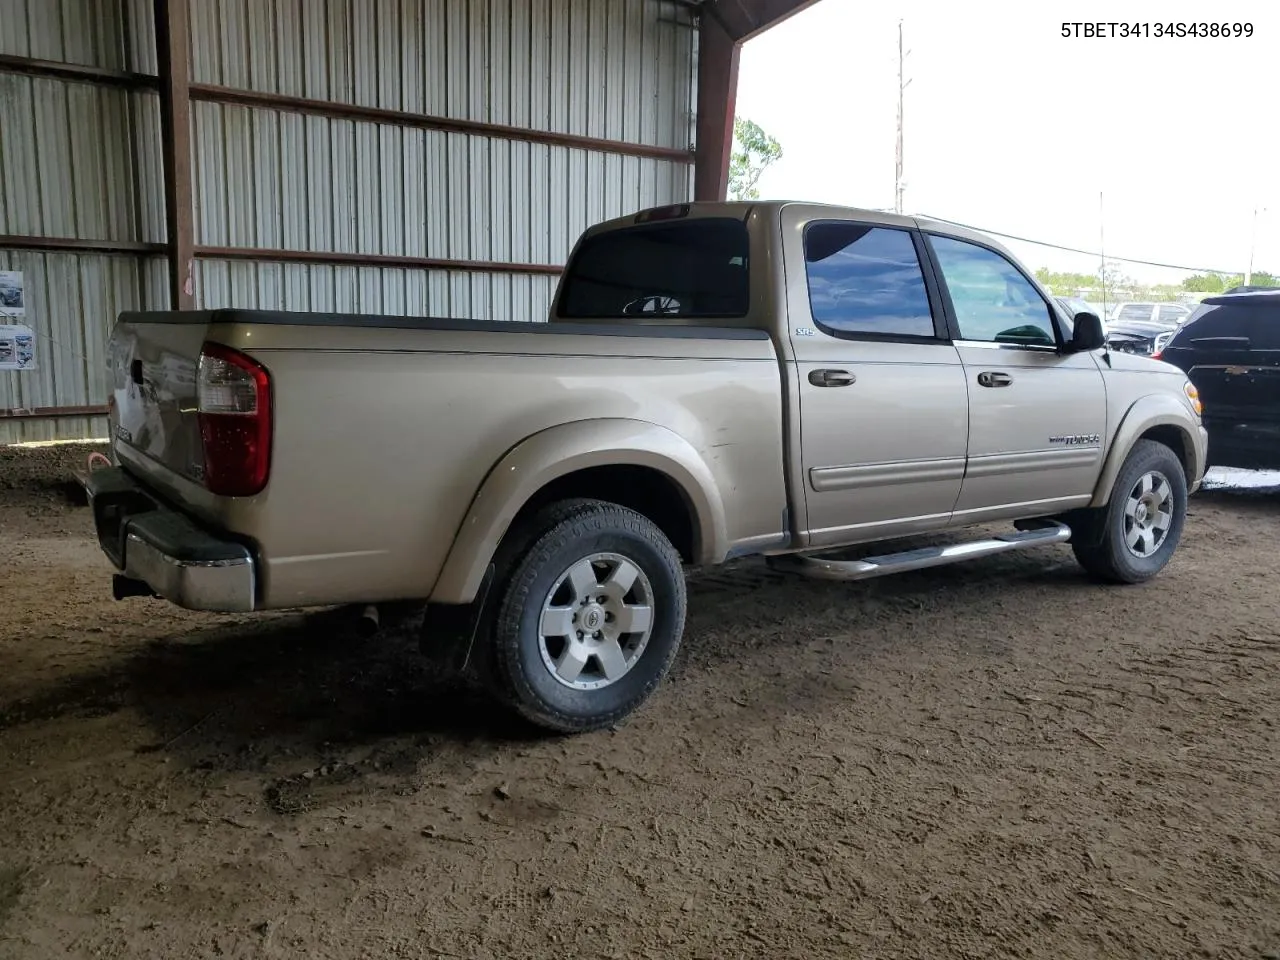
154,362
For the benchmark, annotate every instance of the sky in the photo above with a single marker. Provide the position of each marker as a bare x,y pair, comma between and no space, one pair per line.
1157,149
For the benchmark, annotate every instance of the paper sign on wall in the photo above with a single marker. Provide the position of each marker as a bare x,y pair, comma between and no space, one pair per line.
17,342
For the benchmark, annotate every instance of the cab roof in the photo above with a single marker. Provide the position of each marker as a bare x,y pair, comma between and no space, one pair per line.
807,210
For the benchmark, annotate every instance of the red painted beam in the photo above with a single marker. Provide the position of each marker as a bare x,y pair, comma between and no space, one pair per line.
723,27
351,111
744,19
259,255
76,72
172,46
9,241
52,413
718,55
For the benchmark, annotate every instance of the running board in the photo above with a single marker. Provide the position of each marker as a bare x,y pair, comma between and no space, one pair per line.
819,568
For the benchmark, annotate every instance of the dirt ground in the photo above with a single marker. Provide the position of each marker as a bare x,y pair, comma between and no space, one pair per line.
993,760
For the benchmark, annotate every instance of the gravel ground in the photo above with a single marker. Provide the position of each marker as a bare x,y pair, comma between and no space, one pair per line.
994,760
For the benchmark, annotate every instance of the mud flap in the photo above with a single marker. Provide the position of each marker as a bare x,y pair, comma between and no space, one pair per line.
450,631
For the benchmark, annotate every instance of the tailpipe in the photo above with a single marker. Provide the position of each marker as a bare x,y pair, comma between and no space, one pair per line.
369,623
122,586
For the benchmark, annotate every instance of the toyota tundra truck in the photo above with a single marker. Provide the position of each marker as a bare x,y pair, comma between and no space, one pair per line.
812,384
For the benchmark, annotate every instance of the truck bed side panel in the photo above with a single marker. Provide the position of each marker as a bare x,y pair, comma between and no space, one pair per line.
378,451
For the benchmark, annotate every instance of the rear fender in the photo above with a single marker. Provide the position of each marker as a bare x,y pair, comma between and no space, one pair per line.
561,450
1156,410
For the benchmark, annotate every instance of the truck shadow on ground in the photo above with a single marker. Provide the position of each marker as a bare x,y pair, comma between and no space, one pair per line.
233,696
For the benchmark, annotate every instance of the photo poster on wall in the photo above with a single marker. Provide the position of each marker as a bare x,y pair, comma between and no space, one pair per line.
17,341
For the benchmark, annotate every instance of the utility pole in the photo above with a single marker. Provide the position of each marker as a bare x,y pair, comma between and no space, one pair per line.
1253,242
1102,253
898,185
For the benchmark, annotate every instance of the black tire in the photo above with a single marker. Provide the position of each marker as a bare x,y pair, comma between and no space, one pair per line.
1107,555
537,556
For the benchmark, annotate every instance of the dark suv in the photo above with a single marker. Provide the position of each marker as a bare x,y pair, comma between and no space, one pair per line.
1230,349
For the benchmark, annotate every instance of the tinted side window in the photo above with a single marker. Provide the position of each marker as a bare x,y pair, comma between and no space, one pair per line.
993,301
690,268
866,280
1171,314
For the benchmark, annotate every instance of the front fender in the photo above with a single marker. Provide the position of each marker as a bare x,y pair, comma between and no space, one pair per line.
559,451
1146,413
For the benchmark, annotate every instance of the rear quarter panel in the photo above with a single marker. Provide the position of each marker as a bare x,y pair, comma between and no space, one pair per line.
382,438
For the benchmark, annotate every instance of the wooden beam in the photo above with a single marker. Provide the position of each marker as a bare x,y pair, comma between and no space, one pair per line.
172,46
718,55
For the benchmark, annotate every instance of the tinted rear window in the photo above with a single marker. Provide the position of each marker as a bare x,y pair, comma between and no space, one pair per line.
866,280
690,268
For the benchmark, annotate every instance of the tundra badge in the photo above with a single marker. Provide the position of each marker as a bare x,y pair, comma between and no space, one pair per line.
1078,440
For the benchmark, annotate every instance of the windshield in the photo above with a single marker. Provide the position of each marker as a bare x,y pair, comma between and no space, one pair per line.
690,268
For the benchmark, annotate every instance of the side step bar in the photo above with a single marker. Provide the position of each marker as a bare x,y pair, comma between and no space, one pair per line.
820,568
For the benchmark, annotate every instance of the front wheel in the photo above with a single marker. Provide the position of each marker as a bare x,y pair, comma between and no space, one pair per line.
1142,523
589,616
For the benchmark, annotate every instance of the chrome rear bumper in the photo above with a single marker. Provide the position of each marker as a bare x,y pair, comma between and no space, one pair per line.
174,556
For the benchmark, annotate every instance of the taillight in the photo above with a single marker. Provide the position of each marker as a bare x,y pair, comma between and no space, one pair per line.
234,403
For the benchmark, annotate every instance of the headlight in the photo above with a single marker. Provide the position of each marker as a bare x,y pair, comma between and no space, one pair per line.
1193,395
1161,341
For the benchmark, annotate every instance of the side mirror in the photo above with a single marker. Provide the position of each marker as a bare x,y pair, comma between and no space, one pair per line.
1087,333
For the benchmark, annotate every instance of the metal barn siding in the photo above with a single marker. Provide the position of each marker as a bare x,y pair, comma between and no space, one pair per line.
549,115
72,301
275,179
113,34
271,178
610,69
80,162
386,290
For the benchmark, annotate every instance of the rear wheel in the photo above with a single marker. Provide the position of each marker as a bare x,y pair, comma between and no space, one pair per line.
588,617
1142,524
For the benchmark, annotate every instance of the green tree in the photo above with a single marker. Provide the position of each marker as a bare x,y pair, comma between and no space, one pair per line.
1204,283
1065,284
1264,279
1113,282
754,151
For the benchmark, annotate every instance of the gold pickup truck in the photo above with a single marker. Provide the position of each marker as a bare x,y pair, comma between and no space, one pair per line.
716,381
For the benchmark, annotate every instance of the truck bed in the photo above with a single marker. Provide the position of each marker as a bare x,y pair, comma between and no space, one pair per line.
383,428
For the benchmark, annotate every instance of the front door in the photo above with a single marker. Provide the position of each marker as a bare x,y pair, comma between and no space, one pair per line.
1037,414
883,417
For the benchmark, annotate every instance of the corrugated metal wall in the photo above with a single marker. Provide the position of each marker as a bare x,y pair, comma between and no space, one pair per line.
609,69
83,161
116,34
77,161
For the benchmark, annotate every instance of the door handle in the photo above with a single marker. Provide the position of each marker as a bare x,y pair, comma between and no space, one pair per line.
994,378
831,378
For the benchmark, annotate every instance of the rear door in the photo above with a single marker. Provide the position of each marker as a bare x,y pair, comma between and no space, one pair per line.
882,397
